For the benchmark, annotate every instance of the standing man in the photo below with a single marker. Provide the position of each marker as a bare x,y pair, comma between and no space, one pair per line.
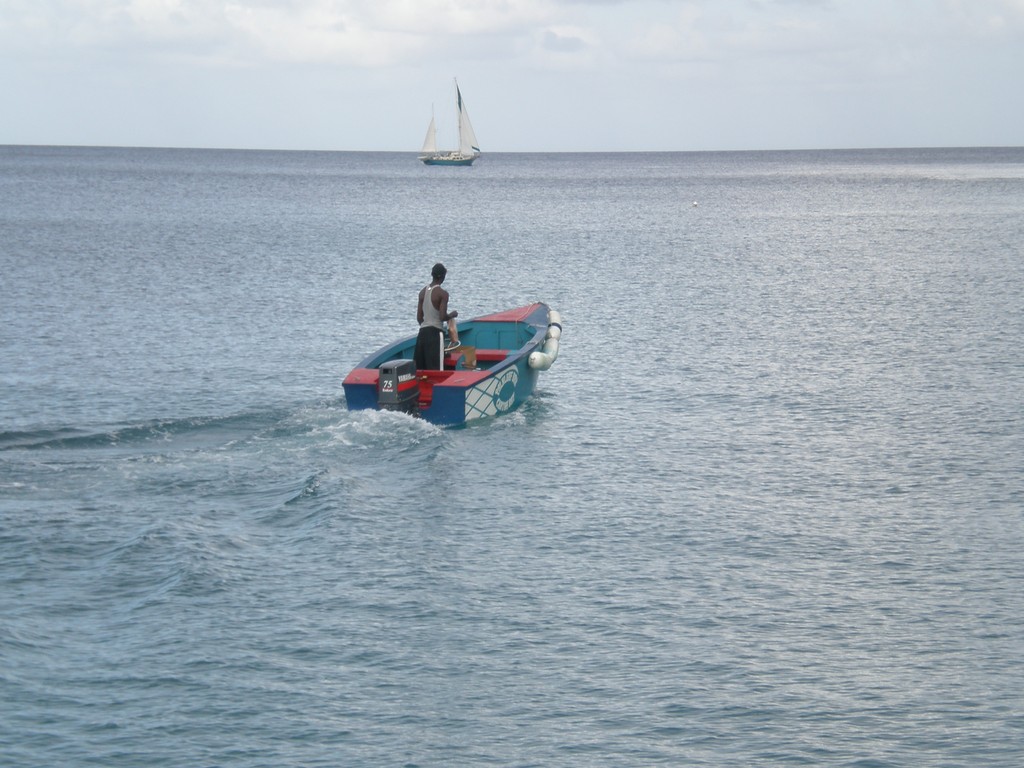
431,314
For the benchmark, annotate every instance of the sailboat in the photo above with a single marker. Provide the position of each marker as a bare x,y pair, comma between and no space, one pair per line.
468,150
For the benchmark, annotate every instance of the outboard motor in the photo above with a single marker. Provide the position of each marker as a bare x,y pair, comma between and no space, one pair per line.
398,389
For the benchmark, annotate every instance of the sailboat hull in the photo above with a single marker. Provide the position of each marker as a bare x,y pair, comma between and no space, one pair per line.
448,160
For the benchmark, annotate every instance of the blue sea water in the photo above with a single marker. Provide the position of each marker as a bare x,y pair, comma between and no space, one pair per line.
767,508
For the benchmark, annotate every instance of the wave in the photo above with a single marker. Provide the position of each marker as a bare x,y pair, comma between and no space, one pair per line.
306,489
156,432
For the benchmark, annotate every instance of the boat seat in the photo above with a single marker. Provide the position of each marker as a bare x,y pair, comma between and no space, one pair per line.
491,355
482,356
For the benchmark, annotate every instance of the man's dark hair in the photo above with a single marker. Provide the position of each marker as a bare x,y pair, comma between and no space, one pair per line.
438,272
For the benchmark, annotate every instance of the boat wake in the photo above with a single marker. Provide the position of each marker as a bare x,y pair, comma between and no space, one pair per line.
326,420
157,433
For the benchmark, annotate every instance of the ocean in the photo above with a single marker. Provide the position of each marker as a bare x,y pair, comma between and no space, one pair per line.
766,509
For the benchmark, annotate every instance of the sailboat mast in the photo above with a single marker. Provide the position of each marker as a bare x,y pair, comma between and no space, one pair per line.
458,109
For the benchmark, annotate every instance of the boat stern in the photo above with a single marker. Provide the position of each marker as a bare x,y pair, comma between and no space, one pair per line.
361,388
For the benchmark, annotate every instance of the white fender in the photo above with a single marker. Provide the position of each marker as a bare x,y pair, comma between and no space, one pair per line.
542,358
554,325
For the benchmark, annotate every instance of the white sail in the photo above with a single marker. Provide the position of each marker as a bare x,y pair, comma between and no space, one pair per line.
467,139
430,142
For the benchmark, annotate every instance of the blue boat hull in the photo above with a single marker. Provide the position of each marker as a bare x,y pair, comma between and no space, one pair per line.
502,381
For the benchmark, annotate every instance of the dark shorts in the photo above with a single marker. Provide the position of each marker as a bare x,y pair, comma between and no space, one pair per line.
429,347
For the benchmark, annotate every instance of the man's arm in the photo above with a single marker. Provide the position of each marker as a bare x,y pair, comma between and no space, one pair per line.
442,307
419,307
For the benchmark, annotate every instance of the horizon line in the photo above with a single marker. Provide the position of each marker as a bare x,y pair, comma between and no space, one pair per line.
521,151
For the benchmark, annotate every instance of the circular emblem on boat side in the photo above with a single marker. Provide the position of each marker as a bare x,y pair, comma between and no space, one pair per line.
492,396
506,390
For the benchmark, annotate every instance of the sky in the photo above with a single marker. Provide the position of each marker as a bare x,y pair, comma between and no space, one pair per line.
536,75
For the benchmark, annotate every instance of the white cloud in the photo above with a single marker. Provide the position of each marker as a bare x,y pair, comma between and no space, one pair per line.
987,17
680,37
368,33
564,40
315,32
388,32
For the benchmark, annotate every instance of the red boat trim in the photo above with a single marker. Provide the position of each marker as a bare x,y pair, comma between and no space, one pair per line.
517,315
